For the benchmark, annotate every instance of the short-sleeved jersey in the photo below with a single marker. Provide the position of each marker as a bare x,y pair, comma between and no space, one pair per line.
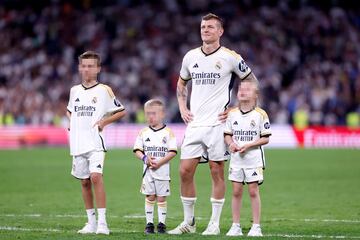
212,78
244,128
87,106
157,144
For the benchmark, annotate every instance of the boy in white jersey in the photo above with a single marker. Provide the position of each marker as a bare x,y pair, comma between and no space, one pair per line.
212,69
155,146
91,107
247,129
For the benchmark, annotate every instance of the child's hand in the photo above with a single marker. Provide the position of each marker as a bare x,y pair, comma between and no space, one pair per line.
154,164
244,148
233,147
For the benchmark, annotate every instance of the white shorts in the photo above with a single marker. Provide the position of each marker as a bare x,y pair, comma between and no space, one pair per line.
84,164
246,175
205,142
151,186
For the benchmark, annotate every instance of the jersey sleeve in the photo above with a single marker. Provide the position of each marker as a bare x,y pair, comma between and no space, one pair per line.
112,103
265,128
184,71
172,142
227,129
239,66
70,106
138,145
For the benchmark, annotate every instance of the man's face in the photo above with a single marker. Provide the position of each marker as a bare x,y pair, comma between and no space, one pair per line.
89,69
210,31
154,115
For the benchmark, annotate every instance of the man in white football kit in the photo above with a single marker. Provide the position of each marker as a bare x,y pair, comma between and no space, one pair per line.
212,69
91,107
247,129
155,146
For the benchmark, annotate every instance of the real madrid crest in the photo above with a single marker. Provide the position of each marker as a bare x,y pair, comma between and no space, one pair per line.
218,65
252,124
94,100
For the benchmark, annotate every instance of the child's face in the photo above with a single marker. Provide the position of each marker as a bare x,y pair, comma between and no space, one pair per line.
247,92
154,115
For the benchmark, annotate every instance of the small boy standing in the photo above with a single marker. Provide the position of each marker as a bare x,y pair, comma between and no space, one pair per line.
247,129
155,146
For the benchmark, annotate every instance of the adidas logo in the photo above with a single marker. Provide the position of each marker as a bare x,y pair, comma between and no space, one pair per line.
196,65
77,100
236,123
147,140
226,154
254,174
98,166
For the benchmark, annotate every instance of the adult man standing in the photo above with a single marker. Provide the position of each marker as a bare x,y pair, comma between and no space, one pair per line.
212,69
91,107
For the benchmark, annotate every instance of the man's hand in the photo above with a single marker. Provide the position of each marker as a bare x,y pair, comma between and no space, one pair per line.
186,115
223,116
101,124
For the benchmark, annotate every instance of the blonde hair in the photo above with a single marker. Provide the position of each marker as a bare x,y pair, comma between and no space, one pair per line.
90,55
213,16
154,102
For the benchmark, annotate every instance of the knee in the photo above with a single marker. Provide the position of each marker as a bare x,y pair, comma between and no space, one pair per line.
217,172
253,192
96,178
237,194
186,174
86,184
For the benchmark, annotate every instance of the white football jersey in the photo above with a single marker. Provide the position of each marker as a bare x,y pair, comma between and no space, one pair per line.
87,106
212,78
157,143
244,128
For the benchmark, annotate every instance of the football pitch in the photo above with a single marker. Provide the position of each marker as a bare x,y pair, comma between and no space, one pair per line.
307,194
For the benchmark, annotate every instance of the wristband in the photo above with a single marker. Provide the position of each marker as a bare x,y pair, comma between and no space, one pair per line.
144,159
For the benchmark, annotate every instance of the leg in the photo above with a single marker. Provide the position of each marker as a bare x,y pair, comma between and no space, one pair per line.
149,212
90,226
218,182
87,193
97,181
162,211
187,172
217,197
255,201
236,201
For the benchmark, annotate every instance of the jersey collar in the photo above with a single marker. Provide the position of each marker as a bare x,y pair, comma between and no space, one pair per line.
246,111
155,130
211,52
86,88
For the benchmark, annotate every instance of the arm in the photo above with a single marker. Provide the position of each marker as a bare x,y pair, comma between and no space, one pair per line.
233,147
162,161
251,77
112,118
261,141
182,94
145,158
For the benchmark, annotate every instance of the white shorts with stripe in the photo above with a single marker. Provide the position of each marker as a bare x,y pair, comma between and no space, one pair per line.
84,164
246,175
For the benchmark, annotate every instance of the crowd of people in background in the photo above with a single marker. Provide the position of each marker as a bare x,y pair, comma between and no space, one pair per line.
307,58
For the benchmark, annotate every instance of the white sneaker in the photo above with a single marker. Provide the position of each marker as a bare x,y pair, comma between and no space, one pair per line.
255,232
102,228
235,230
212,229
88,229
183,227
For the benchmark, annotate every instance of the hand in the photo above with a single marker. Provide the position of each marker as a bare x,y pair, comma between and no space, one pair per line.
244,148
223,115
100,124
186,115
233,147
153,164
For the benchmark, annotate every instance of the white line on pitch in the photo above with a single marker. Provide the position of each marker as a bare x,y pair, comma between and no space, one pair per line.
310,236
316,220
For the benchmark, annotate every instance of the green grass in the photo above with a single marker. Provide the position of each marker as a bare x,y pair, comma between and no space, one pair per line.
305,193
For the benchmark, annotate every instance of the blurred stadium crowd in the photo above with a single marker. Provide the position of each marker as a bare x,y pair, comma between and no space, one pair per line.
307,57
